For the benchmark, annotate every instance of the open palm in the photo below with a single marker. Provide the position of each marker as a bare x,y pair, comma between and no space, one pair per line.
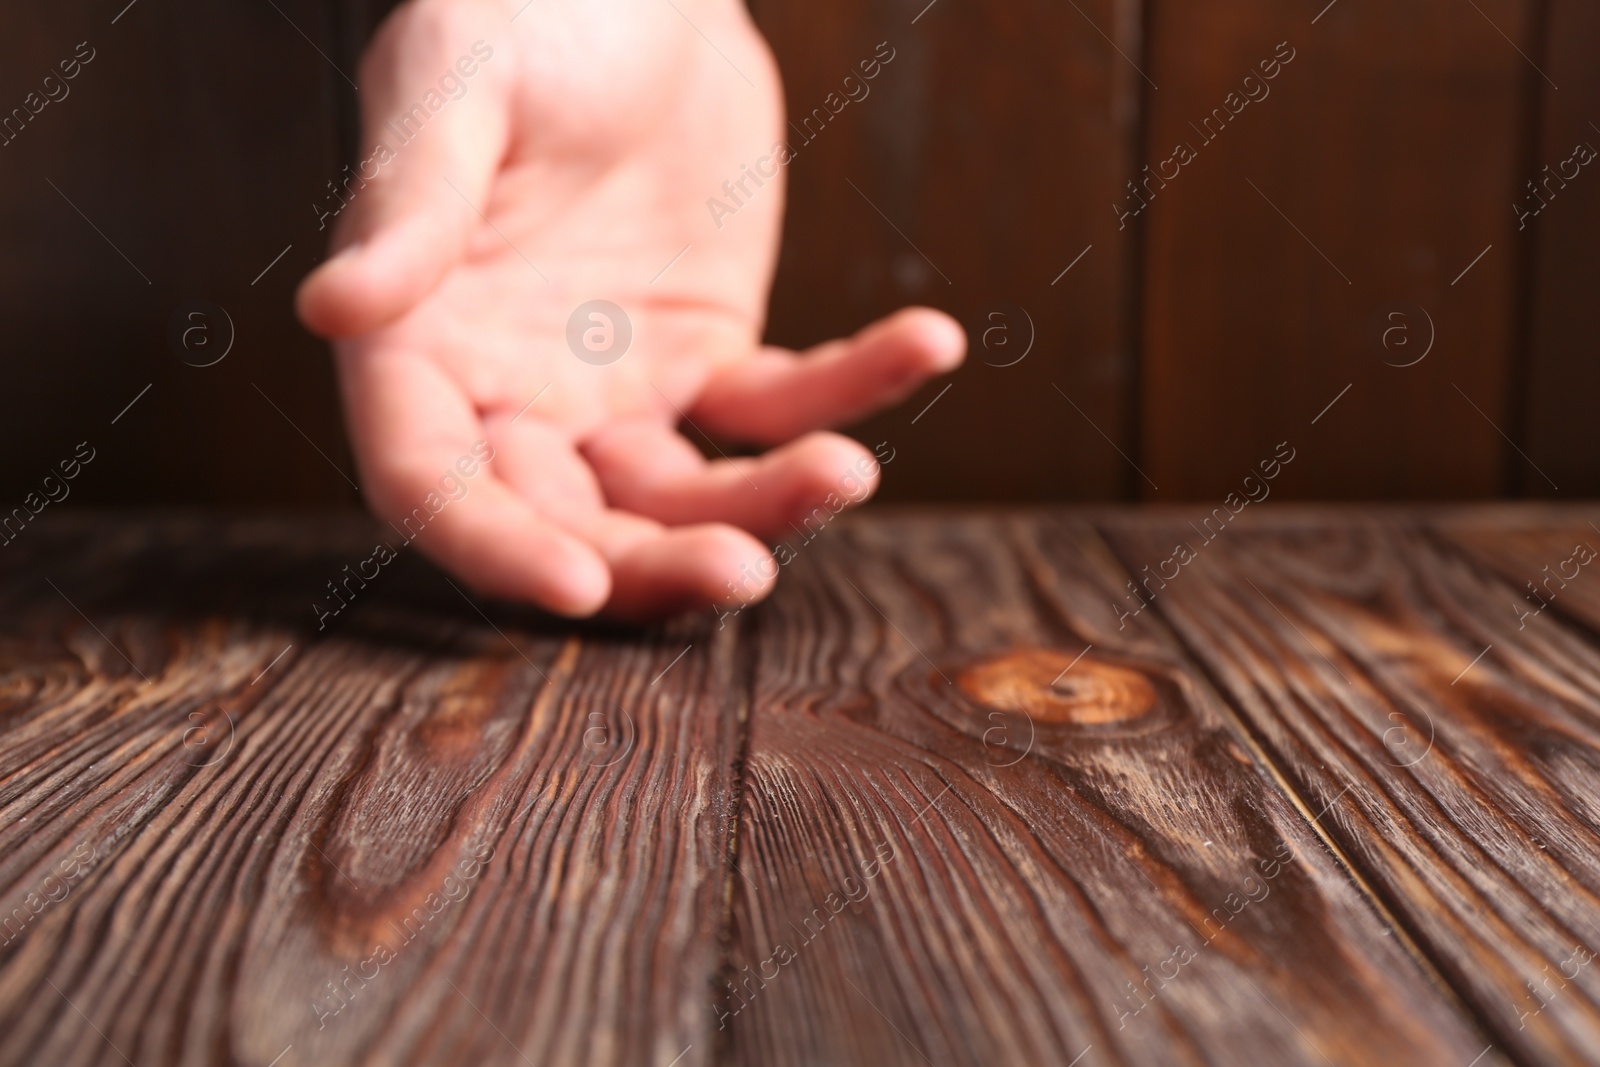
572,165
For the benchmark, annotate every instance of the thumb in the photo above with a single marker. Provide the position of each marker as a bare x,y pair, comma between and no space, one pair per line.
435,117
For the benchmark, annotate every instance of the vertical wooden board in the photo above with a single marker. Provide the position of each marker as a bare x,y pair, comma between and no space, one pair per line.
1376,168
422,836
980,162
193,144
1456,754
354,23
1563,378
981,823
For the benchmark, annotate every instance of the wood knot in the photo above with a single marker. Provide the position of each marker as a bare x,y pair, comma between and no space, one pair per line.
1038,683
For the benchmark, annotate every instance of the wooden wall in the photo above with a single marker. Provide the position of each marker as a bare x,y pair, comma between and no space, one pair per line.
192,144
1562,271
1306,250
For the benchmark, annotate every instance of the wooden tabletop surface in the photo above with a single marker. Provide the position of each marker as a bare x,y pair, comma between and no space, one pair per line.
1308,786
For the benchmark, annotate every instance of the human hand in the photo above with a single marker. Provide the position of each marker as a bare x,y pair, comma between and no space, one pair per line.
575,164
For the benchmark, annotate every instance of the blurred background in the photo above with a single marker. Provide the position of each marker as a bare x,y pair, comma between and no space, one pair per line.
1386,255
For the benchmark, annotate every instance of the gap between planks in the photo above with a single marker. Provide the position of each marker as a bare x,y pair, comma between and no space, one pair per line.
744,686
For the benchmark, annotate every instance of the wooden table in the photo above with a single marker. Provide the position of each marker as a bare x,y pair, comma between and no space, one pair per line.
1331,795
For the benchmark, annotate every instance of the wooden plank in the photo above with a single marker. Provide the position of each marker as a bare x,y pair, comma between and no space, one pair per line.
1543,552
421,836
991,143
1562,376
186,156
983,823
1455,750
1359,183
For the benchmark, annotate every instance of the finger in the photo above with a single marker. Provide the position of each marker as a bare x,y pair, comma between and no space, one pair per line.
433,139
776,395
428,469
648,468
663,570
655,570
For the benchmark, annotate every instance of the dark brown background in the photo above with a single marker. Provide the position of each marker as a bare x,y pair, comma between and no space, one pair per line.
1193,341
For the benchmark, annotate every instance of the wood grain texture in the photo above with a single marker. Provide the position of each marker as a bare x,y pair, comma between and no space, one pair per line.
1372,170
1078,849
1328,798
1381,665
1539,551
242,878
969,178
